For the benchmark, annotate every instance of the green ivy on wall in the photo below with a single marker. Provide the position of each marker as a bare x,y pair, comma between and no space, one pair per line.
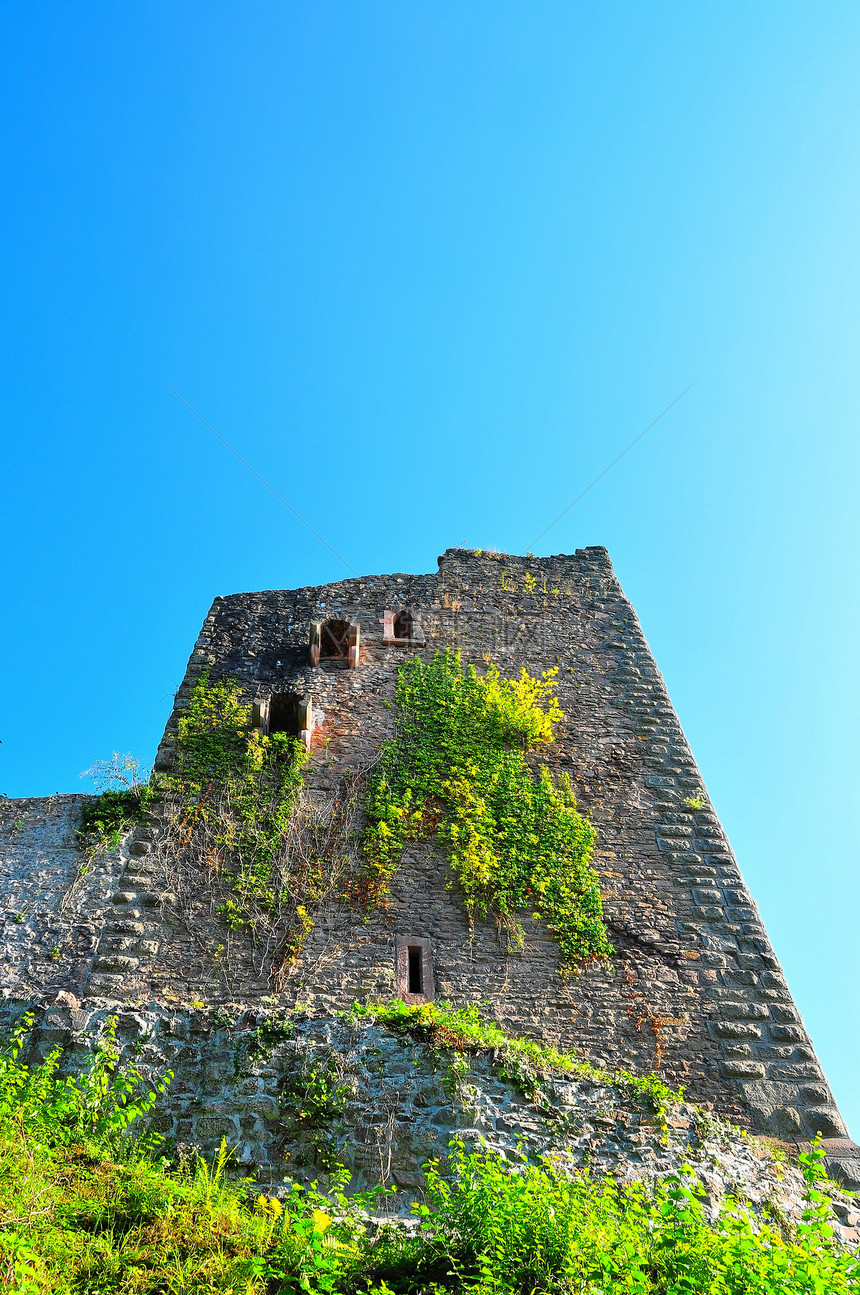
238,788
458,768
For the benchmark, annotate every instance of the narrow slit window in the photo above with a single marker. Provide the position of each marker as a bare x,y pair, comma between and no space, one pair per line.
413,969
416,978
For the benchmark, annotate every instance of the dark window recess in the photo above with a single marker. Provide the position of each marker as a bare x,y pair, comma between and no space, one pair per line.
403,625
334,640
284,714
416,978
413,969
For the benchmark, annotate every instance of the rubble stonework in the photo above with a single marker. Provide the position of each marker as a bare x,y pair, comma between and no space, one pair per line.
400,1102
694,988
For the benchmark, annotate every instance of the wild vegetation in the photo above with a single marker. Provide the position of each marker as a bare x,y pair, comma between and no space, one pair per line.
458,768
237,788
124,794
89,1207
526,1062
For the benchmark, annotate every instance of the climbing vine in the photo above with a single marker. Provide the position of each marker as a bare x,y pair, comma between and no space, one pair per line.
237,790
458,768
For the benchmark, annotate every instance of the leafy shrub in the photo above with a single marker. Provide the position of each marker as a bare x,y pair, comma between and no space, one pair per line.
87,1209
101,1101
111,815
535,1230
124,796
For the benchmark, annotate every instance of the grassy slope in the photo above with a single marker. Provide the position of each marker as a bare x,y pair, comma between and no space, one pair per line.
85,1208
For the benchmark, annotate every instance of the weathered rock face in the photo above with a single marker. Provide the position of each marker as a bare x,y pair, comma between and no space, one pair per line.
694,989
297,1094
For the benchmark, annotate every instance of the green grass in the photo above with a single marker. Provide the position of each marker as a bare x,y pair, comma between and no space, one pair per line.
88,1207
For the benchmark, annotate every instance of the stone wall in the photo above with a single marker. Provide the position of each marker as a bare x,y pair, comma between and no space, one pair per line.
396,1103
53,900
694,989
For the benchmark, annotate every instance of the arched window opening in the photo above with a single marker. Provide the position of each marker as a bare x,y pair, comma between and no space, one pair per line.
403,625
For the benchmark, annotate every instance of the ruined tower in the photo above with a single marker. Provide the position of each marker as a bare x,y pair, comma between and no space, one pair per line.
693,987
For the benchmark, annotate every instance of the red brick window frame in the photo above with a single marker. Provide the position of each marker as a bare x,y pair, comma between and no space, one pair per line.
401,626
413,969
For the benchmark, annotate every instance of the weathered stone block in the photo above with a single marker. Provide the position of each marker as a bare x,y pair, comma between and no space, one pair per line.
743,1069
734,1030
707,896
117,962
745,1011
211,1128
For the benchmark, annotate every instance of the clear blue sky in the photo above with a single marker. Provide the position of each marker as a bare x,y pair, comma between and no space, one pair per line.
430,267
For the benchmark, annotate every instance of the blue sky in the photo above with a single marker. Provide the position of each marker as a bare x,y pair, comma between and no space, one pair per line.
430,267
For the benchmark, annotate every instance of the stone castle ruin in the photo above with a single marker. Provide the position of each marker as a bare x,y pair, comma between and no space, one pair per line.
232,997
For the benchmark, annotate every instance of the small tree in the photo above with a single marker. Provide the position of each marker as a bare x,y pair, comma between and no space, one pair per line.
124,794
118,772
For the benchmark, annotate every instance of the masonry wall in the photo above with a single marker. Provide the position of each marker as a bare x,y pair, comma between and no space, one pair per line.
400,1102
695,987
54,901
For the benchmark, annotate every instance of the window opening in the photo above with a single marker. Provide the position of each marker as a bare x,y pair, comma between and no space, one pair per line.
403,625
334,641
416,979
413,969
284,714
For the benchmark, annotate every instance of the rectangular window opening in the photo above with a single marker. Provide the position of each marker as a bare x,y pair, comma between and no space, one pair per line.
284,713
413,968
416,978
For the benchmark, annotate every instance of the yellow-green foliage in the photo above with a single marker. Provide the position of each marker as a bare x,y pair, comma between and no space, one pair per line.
539,1230
457,766
87,1209
239,787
